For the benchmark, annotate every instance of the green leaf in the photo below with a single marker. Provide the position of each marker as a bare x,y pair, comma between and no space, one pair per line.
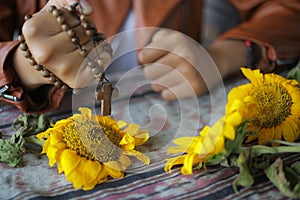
286,179
244,178
30,124
296,167
294,73
12,150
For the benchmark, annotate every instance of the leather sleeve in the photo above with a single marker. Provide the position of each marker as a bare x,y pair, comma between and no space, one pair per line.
43,99
274,24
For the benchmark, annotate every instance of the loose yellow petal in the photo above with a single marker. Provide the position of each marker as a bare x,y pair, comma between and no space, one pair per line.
188,164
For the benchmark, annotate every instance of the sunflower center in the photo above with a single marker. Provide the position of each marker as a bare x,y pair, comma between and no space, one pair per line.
93,140
273,105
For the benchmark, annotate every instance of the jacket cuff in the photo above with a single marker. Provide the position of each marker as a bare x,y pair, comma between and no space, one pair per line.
41,100
277,31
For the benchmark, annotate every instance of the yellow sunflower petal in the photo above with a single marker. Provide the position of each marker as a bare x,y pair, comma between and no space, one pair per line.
140,156
176,149
121,124
141,138
234,119
219,145
206,147
187,142
237,95
127,142
229,131
253,75
125,162
265,135
102,175
86,113
52,151
91,171
187,167
45,146
290,130
76,176
69,160
113,169
55,138
171,162
132,129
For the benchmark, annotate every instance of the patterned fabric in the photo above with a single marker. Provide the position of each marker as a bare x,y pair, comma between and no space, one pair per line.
165,121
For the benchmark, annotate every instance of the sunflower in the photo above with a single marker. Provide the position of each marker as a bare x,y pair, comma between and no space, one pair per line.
200,149
91,148
272,106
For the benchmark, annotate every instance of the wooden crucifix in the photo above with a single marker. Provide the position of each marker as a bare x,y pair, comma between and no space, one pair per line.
105,96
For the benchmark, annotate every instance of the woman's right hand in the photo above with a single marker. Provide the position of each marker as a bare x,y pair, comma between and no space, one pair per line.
52,48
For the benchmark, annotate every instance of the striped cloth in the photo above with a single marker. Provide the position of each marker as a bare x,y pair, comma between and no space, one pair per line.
36,180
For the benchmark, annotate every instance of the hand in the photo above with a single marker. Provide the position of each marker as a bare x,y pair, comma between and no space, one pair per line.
52,48
171,62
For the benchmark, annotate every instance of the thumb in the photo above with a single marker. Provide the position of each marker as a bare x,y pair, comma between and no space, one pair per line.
86,7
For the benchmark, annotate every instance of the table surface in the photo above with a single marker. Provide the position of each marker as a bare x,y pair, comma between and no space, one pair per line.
165,121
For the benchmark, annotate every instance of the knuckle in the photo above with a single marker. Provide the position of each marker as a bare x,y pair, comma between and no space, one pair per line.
156,87
41,55
30,29
148,72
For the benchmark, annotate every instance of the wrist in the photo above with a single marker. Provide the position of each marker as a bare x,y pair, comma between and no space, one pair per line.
29,78
228,55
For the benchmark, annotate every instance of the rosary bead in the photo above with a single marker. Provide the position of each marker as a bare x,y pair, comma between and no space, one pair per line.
96,70
83,18
27,17
86,25
52,78
56,13
90,32
65,27
58,83
70,9
99,76
61,19
32,61
75,40
45,73
27,54
83,52
38,67
71,33
21,38
91,64
64,87
23,46
51,8
100,62
105,56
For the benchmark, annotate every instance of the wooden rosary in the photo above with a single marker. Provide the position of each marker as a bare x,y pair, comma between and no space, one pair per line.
96,64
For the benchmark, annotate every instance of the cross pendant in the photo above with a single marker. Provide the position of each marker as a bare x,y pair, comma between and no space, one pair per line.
105,95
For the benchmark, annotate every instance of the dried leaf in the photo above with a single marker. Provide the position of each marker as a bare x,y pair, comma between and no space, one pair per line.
12,150
286,179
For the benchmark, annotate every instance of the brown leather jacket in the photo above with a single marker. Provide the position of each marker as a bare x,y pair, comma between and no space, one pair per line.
273,24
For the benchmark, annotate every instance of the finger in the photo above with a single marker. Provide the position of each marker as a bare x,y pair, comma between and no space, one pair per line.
150,54
168,80
158,47
160,67
178,91
86,8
